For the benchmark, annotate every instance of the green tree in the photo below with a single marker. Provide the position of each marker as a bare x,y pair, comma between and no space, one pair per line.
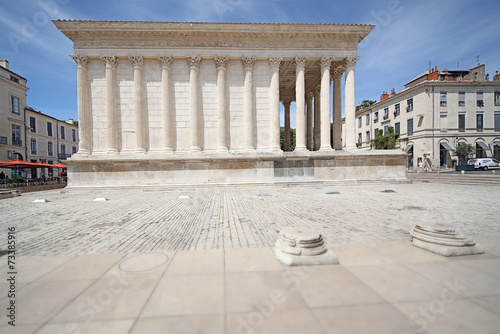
282,138
385,142
365,104
464,152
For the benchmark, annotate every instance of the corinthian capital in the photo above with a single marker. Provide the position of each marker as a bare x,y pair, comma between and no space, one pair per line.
300,62
351,61
310,95
221,62
275,61
194,62
248,62
338,71
81,61
111,61
325,62
166,61
136,60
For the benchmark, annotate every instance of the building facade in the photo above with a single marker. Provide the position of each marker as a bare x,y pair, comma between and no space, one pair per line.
436,112
179,102
49,140
12,114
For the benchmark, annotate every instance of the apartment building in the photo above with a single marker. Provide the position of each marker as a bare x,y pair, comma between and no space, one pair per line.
436,112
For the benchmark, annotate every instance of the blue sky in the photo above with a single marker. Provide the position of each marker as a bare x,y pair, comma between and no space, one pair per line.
409,35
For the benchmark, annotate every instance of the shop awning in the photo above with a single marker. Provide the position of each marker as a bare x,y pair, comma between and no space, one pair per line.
483,145
446,146
408,148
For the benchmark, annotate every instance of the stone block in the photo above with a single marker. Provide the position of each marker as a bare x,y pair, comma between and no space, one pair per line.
444,240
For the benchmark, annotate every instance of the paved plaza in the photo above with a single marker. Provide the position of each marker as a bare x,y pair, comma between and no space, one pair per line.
200,260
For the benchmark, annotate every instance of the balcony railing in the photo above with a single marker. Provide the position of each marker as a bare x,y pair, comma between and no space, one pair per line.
17,142
480,103
443,103
461,103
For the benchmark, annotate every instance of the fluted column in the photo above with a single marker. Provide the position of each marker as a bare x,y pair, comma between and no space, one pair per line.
140,140
286,104
300,123
274,87
337,107
111,119
317,118
220,63
166,69
350,103
248,103
325,63
194,65
310,118
84,116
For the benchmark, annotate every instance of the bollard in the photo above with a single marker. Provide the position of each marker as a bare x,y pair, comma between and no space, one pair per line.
493,172
462,171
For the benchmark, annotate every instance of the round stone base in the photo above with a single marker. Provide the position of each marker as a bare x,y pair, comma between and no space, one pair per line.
304,260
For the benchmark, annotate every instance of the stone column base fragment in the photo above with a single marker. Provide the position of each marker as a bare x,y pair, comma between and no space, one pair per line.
302,247
444,241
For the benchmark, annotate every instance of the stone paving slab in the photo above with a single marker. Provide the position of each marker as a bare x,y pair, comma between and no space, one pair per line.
149,262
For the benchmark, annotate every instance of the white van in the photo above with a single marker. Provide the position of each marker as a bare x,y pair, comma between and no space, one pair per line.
484,163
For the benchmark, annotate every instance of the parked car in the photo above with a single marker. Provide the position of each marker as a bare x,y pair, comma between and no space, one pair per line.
484,163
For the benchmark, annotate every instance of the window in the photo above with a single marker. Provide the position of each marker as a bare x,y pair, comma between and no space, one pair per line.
359,122
3,140
63,150
479,121
33,124
73,150
16,135
397,128
397,109
386,113
359,138
497,121
14,104
442,99
33,146
479,98
409,126
461,99
73,134
497,97
63,135
443,122
409,104
367,119
376,133
49,129
375,117
50,148
461,122
13,78
386,129
367,137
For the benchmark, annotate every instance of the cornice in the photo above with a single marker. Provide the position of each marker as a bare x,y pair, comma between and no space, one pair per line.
120,34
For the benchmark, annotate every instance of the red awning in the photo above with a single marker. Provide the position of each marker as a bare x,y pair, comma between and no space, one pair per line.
59,165
19,164
43,165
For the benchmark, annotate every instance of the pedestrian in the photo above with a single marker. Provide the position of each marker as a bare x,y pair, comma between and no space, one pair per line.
2,176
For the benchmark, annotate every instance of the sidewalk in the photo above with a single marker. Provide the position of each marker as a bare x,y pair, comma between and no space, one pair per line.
153,262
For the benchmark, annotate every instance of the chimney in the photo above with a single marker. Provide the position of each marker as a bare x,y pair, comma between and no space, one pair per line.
433,74
393,92
69,121
4,63
384,96
496,77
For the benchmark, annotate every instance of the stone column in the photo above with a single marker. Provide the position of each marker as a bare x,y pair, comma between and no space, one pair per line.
310,115
111,119
274,131
325,63
84,116
221,62
166,69
350,103
317,118
286,104
194,65
337,107
248,103
140,140
300,126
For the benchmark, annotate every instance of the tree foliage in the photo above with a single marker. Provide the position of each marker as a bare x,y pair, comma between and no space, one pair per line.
282,138
464,151
365,104
385,142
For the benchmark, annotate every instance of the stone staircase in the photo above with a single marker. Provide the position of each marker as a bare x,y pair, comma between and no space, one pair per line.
471,178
